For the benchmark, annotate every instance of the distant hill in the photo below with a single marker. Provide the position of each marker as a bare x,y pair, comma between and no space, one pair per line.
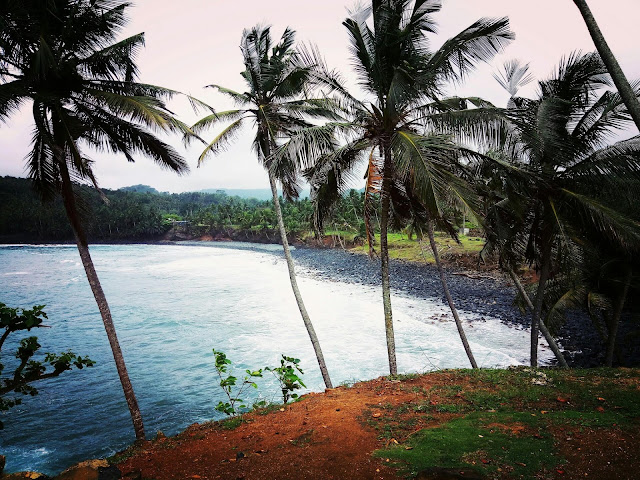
257,193
261,194
140,189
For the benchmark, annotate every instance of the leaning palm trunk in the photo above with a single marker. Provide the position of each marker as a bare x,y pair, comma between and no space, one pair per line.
94,282
384,268
615,320
294,285
543,328
609,59
537,310
445,287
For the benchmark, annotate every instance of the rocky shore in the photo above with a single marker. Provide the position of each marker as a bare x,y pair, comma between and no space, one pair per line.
491,295
484,293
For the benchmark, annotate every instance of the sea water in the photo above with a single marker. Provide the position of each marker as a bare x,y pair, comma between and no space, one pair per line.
171,306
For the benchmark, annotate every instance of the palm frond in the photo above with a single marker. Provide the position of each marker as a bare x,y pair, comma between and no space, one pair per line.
146,110
239,98
115,134
480,42
13,95
212,119
618,229
221,141
117,61
514,76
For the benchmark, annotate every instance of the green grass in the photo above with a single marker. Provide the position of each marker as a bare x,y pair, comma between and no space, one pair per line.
404,376
470,441
450,408
412,250
587,419
232,423
268,408
504,419
124,455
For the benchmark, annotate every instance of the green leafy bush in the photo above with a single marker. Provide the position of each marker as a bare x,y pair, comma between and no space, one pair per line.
27,370
287,375
230,386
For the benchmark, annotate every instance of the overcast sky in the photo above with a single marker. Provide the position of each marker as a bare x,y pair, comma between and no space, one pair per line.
193,43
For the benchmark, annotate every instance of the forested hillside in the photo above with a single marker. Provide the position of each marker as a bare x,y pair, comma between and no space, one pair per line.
142,213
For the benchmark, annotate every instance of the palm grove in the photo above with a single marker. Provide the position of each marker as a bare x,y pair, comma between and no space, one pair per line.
540,176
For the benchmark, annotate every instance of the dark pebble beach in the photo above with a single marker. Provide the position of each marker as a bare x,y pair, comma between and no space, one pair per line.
493,297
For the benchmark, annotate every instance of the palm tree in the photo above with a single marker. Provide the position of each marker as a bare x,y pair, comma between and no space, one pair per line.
598,281
557,145
501,187
629,96
404,81
60,56
277,78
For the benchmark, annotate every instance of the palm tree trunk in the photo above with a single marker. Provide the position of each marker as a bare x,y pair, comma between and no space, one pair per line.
537,310
615,320
294,285
543,328
94,282
622,84
447,294
384,261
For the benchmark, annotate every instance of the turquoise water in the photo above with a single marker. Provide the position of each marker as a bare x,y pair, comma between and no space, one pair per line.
171,306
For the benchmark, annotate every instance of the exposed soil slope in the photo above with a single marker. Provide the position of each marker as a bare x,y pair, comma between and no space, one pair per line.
593,432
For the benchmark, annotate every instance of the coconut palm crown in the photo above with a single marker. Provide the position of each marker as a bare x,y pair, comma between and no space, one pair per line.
62,57
565,172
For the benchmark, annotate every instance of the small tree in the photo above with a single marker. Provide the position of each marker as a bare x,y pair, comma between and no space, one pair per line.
228,382
287,376
27,370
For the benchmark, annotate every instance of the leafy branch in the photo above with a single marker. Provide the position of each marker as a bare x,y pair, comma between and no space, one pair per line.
287,376
228,382
28,370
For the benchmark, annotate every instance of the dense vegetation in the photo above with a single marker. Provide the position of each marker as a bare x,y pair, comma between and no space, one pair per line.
135,215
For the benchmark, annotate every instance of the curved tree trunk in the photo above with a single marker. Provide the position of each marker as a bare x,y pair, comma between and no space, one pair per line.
615,320
537,310
622,84
384,268
94,282
294,285
543,328
447,294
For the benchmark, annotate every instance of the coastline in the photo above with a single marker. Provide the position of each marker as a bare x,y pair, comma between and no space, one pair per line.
484,295
489,295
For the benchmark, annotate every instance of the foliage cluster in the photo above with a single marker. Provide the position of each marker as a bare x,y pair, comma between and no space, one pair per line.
27,370
139,215
287,375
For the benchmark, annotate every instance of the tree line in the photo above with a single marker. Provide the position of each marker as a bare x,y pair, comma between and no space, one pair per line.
128,215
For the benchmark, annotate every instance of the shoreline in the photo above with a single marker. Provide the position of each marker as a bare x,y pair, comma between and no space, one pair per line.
488,295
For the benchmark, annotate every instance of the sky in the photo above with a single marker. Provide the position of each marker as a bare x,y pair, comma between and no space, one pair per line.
194,43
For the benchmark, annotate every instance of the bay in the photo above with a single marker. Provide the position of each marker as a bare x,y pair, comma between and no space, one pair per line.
171,305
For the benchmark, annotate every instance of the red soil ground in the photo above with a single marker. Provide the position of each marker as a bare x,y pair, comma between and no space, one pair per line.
332,435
